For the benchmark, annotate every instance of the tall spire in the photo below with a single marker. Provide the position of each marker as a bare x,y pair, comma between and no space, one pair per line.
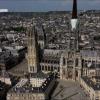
32,51
74,19
74,12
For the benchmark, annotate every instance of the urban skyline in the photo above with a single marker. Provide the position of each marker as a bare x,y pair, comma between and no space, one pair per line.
51,55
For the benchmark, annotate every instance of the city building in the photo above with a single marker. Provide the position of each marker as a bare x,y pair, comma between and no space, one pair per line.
37,87
56,44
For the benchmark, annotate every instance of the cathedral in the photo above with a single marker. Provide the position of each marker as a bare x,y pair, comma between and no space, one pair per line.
70,64
67,63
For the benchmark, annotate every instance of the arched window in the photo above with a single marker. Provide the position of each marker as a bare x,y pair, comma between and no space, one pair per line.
46,68
64,61
42,67
49,68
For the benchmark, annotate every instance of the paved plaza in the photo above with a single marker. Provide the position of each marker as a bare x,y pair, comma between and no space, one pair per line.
69,90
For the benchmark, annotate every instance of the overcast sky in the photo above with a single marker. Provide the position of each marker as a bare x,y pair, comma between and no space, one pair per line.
47,5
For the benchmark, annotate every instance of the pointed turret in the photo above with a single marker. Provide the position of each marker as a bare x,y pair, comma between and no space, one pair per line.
74,20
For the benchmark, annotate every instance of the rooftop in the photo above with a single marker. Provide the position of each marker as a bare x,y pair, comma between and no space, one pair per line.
24,86
38,75
14,47
90,53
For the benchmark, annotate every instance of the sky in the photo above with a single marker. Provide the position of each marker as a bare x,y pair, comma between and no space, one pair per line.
47,5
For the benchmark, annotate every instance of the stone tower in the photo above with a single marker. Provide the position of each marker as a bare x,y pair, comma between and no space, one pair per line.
32,56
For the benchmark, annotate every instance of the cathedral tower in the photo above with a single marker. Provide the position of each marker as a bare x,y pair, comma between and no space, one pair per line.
70,62
74,42
32,51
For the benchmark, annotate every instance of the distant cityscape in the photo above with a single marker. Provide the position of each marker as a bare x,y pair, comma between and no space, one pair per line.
52,55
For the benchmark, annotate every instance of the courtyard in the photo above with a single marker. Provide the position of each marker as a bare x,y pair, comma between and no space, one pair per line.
69,90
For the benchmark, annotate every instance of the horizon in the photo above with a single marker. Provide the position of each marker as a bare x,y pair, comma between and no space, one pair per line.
47,5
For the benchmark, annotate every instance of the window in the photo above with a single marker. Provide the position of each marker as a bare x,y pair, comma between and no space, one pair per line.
31,68
64,61
51,68
48,68
42,67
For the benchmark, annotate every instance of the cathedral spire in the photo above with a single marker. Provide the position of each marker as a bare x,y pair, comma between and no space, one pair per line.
74,20
74,12
32,50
